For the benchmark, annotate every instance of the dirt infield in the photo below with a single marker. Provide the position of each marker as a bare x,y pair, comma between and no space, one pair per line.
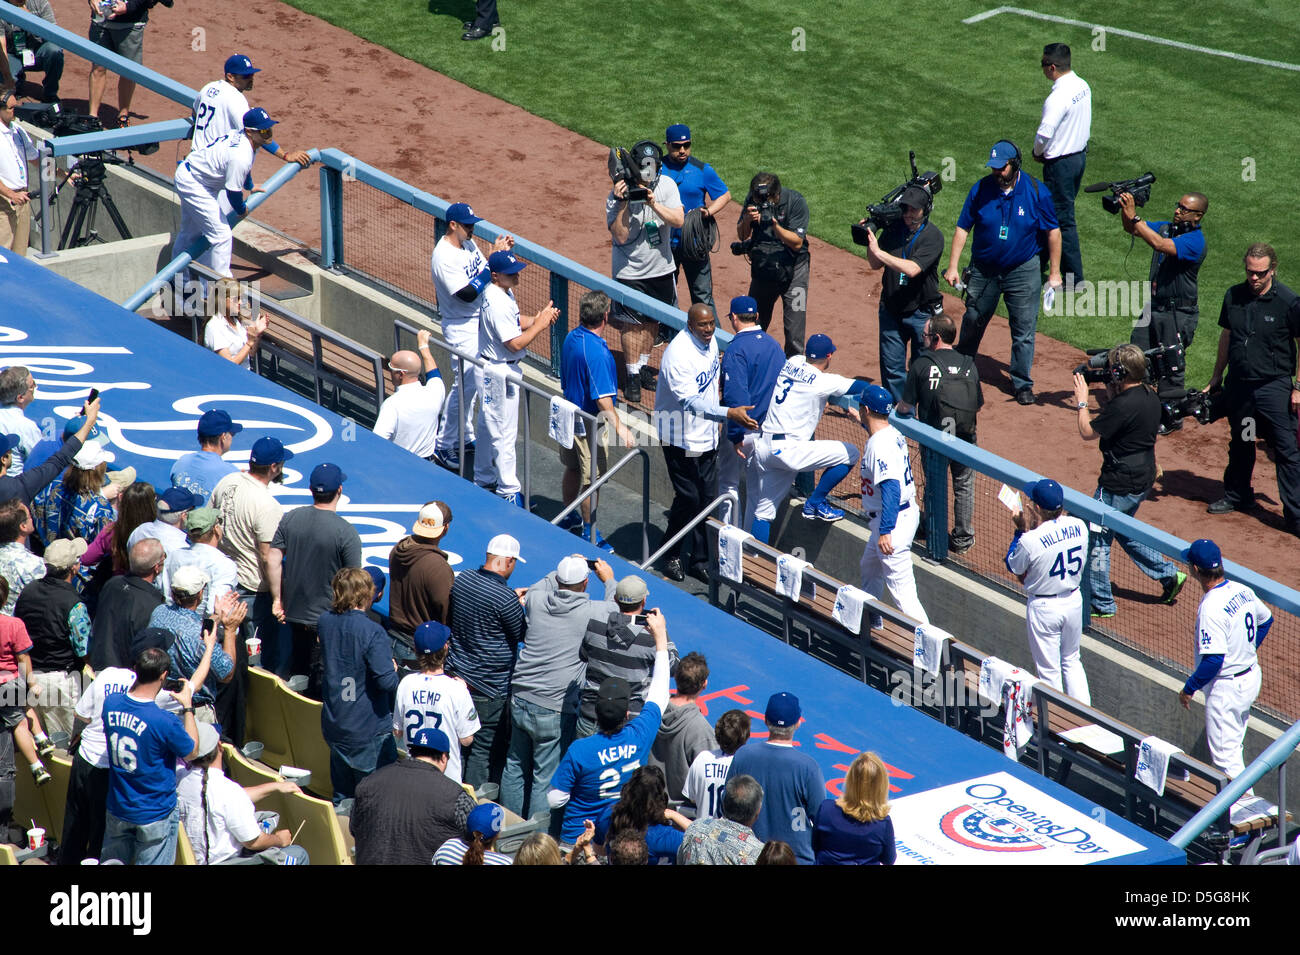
331,89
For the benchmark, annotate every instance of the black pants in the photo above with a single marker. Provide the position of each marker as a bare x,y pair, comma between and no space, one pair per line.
699,278
695,484
794,304
485,14
83,815
1262,410
1166,327
1062,177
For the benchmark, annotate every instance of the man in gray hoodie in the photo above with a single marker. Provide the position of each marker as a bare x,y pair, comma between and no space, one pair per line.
548,678
685,731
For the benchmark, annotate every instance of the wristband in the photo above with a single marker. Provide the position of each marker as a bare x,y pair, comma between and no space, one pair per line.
1082,405
188,709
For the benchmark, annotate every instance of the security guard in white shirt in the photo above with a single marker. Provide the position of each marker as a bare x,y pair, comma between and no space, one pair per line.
1061,145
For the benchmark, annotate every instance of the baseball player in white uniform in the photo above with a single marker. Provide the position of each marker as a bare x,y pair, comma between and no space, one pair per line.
220,107
1047,555
786,446
1231,623
460,277
432,700
504,335
201,178
889,501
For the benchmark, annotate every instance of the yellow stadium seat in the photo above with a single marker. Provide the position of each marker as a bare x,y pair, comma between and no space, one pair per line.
56,791
243,770
321,833
264,716
7,856
310,751
184,851
31,805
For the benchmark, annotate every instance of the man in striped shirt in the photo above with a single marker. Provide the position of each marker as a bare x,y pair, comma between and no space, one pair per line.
487,626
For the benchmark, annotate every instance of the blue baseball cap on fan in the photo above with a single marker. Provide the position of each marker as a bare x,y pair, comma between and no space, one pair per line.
505,263
269,451
241,65
258,118
678,133
434,739
462,213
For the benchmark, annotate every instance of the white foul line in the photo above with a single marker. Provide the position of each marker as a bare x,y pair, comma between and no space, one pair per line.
1239,57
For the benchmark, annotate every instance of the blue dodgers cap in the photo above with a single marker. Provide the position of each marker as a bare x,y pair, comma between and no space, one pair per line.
431,636
1003,152
216,422
819,346
462,213
241,65
877,400
258,118
678,133
1204,554
176,499
486,819
782,710
433,739
269,451
505,263
1047,494
326,478
744,305
8,442
377,577
73,426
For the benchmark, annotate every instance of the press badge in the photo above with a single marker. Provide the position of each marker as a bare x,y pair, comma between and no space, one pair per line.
1002,233
29,59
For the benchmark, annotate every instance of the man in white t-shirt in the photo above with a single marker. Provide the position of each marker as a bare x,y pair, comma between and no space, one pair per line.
432,700
706,780
504,337
409,417
1061,145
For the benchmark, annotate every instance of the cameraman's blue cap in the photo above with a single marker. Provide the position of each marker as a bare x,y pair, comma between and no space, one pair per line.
258,118
1204,554
744,305
505,263
269,451
241,65
782,710
1003,152
433,739
1047,494
877,400
678,133
431,637
462,213
818,347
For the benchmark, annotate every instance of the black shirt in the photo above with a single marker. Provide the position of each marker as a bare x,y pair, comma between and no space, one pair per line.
405,812
791,214
1127,427
1173,277
921,389
1261,332
902,295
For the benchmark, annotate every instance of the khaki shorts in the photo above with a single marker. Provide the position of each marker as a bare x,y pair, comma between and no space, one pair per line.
578,457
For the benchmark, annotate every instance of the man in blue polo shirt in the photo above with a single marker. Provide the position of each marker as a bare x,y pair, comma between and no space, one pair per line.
199,471
700,188
1009,213
144,742
590,381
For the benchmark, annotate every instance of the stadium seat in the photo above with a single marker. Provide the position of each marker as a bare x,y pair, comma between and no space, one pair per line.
321,833
264,716
56,791
30,803
184,851
310,752
245,771
7,856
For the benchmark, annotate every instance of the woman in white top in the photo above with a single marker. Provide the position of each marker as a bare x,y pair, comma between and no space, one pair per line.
226,333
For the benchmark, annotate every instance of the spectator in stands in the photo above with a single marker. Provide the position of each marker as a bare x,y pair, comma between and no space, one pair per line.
776,852
83,814
792,781
17,391
434,700
381,582
729,839
628,848
685,732
32,480
548,679
620,645
405,811
125,605
706,780
643,807
592,770
481,831
232,332
200,471
184,618
421,575
203,533
488,623
314,544
142,813
76,507
16,716
539,849
409,416
855,829
18,565
136,505
59,626
47,58
359,679
218,813
173,505
251,516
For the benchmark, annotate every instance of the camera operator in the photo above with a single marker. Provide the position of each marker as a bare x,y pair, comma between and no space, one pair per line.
16,151
1178,249
1126,428
777,222
908,249
1261,322
26,51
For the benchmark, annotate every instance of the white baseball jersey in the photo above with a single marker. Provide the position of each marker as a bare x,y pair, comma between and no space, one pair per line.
1051,556
1067,118
223,165
426,701
499,324
218,110
885,458
94,746
706,782
799,398
452,270
1226,623
687,369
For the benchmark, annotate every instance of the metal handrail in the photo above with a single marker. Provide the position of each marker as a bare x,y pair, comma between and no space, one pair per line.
597,484
717,502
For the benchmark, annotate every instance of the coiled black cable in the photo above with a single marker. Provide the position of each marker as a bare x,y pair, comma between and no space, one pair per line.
699,236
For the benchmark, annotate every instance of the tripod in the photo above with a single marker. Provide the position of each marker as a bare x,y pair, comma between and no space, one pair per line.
92,190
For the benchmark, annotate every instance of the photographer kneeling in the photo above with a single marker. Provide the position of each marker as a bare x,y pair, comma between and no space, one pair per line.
1127,428
773,232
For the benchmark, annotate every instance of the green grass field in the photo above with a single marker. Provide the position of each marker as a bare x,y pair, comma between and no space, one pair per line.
836,118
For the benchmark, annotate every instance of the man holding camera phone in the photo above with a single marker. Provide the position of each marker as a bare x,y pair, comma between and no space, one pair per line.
1126,428
773,232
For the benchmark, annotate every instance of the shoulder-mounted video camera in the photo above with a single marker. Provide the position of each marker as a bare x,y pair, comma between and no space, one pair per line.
638,168
889,209
1139,189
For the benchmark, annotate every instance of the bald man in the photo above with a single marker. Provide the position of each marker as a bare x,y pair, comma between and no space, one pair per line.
409,416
